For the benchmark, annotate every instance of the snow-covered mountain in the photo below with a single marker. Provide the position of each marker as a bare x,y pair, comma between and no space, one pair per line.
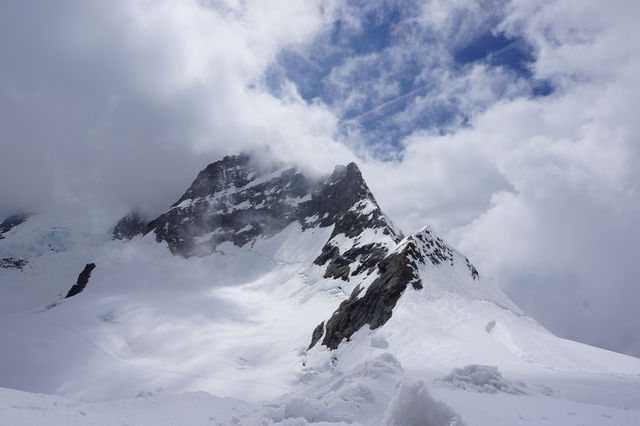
294,295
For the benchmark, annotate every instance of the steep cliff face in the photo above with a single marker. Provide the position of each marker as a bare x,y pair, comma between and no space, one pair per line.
239,199
129,226
234,199
362,234
397,272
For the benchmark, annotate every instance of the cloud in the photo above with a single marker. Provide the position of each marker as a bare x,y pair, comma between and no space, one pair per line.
110,105
387,68
544,193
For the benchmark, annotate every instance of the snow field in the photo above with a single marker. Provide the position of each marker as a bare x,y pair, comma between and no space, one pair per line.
151,328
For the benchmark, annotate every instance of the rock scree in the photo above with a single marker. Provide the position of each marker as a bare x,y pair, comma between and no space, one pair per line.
82,281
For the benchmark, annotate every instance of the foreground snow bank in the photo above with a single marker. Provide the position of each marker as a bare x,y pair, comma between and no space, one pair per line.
196,408
412,405
370,392
375,392
480,378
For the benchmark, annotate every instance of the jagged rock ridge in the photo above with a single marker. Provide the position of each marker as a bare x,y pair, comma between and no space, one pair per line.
233,200
238,199
129,226
397,271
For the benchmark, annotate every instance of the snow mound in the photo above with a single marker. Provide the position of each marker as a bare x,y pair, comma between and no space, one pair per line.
359,394
370,392
412,405
481,378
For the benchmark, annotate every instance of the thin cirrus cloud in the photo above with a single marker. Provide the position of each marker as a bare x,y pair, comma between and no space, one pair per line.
510,126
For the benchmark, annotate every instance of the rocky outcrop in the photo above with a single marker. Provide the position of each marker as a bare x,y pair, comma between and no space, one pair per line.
12,263
82,281
131,225
234,199
474,272
7,225
397,272
346,202
375,307
11,222
317,334
367,257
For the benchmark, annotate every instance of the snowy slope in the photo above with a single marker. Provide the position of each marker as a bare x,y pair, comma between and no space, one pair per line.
230,306
375,392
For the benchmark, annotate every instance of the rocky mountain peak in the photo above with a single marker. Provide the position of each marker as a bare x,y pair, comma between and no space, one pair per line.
129,226
240,198
232,171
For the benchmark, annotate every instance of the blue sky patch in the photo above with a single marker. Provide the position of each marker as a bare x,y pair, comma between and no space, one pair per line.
389,75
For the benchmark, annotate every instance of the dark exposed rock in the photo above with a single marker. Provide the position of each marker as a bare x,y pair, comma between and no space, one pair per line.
11,222
370,255
334,203
474,272
233,200
239,198
338,268
346,202
317,334
13,263
230,171
82,281
131,225
397,271
436,249
367,257
329,252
